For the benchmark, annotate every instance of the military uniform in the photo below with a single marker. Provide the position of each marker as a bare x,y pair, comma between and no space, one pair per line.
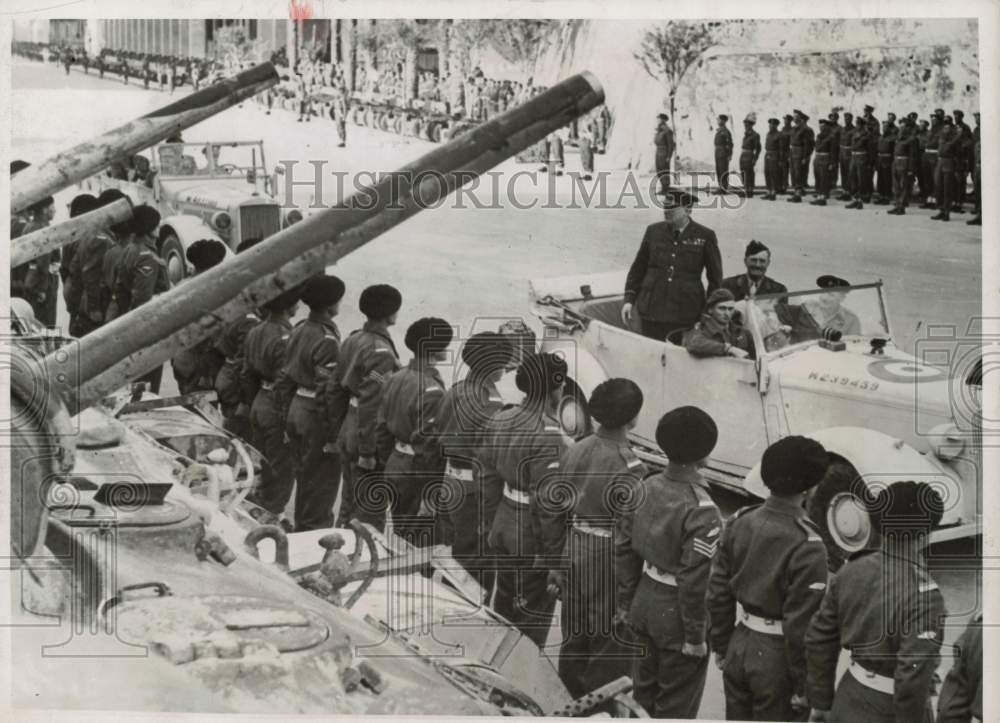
949,148
930,159
749,153
664,551
33,281
888,612
603,473
844,148
978,177
408,425
772,162
962,164
768,579
785,157
710,338
874,131
823,162
84,285
886,143
264,357
836,130
723,154
109,278
310,361
195,369
961,698
904,165
227,381
801,146
664,281
522,447
742,287
860,172
367,358
140,275
664,142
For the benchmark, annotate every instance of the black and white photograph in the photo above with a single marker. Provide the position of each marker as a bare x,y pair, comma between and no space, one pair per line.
500,359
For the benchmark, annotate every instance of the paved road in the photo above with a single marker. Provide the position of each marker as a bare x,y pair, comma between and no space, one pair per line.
471,265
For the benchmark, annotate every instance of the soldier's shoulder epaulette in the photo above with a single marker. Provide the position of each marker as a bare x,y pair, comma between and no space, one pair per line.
704,499
925,583
810,528
743,510
632,461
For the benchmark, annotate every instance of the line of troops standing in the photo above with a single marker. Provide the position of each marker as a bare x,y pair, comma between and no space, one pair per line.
917,160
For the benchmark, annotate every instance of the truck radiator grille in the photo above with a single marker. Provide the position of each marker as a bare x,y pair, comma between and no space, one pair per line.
259,221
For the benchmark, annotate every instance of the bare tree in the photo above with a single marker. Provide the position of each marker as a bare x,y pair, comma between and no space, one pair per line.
409,36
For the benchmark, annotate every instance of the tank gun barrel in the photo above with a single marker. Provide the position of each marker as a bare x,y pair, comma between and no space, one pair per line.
141,340
72,166
32,245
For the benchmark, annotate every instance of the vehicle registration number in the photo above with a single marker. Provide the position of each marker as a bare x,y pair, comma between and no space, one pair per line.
844,381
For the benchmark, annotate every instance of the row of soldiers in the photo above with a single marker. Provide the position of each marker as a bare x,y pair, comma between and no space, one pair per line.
876,160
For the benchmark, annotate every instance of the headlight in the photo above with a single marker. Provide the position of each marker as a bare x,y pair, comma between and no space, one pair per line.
222,221
293,216
946,441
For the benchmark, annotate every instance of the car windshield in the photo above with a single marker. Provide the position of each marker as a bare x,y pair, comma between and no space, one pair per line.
218,160
801,316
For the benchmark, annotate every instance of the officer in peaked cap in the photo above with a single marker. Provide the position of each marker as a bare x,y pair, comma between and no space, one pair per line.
664,550
883,606
835,130
768,579
311,357
824,160
749,153
723,153
772,159
784,162
801,145
757,259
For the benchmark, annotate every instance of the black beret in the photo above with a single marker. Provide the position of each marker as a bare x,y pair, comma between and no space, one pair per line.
834,115
84,203
723,118
286,300
539,374
773,121
869,108
939,111
41,205
247,243
798,113
615,402
110,195
824,121
487,351
755,247
428,335
380,301
793,464
322,290
905,504
848,114
18,165
958,113
145,219
205,253
175,138
662,116
686,434
828,281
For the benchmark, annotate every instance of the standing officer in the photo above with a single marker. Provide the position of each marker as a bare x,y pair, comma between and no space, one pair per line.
872,123
962,158
961,698
664,142
772,159
339,109
94,247
834,164
663,550
949,148
465,410
99,63
823,162
145,71
749,153
665,278
860,175
785,159
885,144
844,149
353,395
767,581
586,142
930,157
195,368
408,422
978,175
235,410
523,445
120,233
264,357
310,360
904,164
34,280
603,473
723,153
141,273
884,607
802,142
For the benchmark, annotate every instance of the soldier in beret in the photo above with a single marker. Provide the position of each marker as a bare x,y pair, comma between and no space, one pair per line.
663,140
664,281
886,143
772,159
930,156
120,234
310,360
723,153
884,607
801,144
32,280
604,474
664,549
715,334
905,162
264,357
757,258
749,153
91,251
523,445
408,420
465,410
823,162
195,368
949,149
861,141
977,178
767,581
353,395
961,699
844,150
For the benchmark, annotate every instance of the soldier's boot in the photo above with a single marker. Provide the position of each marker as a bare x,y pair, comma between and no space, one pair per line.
795,198
818,202
976,220
941,216
854,204
957,208
928,204
882,201
897,211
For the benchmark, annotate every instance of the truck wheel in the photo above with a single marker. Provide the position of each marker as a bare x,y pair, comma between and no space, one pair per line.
574,417
836,507
172,253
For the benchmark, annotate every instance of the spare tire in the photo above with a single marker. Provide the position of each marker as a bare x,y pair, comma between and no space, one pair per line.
835,506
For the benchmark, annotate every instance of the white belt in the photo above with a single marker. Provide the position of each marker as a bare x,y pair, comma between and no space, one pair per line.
354,402
232,360
404,448
759,624
665,577
459,473
307,393
589,529
881,683
516,495
267,386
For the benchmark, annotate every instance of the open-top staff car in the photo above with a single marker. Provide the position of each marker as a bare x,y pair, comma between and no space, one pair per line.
202,190
884,415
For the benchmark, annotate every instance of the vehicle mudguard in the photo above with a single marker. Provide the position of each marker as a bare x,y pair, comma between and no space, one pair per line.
189,229
882,460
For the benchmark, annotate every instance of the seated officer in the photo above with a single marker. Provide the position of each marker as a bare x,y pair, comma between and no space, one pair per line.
715,334
755,281
818,313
